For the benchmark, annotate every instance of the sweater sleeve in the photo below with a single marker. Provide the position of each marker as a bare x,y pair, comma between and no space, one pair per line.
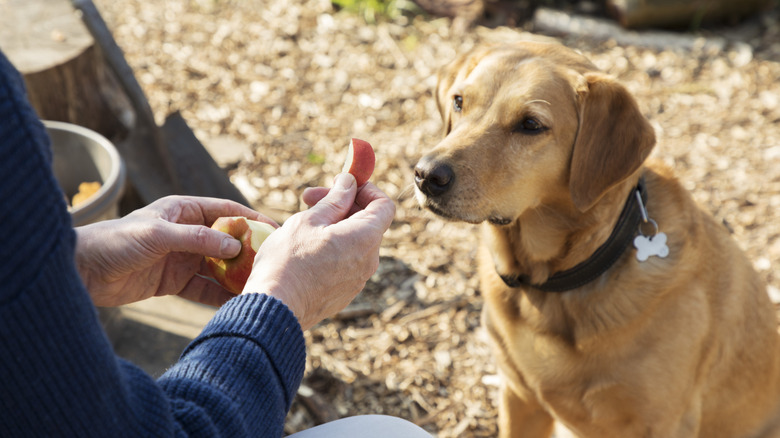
60,376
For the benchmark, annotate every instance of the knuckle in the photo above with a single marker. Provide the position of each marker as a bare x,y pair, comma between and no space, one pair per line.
202,235
152,235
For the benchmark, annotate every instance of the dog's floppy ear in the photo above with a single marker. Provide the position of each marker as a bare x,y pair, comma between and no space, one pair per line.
613,140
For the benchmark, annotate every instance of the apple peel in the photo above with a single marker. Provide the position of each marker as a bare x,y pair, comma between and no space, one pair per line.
232,274
360,160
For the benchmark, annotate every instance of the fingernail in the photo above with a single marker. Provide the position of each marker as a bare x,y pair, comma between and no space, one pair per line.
344,181
230,246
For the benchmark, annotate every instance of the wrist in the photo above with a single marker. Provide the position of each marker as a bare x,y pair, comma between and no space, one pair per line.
280,293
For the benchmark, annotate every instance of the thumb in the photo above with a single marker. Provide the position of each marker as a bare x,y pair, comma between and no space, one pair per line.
197,239
336,204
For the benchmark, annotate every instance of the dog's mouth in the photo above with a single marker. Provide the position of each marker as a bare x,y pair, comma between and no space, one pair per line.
447,213
433,208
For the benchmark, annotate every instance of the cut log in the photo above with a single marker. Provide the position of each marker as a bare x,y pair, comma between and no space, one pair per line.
681,13
64,74
553,22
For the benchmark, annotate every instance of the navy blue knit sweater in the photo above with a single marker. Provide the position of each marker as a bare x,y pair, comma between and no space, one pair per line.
58,373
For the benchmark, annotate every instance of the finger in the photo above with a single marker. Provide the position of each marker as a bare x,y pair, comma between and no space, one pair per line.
205,291
336,204
214,208
199,210
197,239
313,195
375,205
369,193
376,216
365,195
370,223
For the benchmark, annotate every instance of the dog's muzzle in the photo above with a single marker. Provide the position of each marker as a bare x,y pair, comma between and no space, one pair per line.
433,178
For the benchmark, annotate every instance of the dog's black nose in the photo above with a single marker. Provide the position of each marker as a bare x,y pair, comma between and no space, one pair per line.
433,178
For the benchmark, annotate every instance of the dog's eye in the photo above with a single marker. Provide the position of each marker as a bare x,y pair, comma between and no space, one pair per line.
529,125
457,103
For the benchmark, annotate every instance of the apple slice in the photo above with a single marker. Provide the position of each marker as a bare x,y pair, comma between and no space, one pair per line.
360,160
233,273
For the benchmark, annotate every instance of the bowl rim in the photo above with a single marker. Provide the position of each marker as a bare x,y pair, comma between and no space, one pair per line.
114,182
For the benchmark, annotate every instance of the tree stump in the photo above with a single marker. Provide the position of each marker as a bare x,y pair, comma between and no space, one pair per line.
65,76
75,72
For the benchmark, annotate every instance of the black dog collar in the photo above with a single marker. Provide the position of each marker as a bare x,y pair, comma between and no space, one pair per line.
605,256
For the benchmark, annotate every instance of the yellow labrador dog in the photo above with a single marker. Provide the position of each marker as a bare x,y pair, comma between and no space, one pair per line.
615,305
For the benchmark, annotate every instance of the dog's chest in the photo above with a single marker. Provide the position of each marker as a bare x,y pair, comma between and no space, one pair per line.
574,382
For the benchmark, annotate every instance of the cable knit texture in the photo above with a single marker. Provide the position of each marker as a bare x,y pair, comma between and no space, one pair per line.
60,377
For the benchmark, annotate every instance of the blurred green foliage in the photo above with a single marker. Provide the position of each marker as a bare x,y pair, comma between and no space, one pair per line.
374,10
314,158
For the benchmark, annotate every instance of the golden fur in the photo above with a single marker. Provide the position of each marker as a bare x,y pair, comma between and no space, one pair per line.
682,346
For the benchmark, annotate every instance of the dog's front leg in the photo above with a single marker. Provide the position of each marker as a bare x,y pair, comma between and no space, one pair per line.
521,418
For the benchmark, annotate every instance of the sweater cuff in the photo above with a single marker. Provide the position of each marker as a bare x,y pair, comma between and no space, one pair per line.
266,321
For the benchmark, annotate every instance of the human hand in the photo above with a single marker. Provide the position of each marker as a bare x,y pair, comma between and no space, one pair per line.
321,258
158,250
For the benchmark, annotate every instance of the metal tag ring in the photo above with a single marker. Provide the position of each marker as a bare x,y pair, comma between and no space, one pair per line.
653,223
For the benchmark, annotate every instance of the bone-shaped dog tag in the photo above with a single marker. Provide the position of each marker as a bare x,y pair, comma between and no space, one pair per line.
651,246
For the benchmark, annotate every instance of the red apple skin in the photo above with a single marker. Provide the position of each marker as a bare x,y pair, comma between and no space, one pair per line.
360,160
233,273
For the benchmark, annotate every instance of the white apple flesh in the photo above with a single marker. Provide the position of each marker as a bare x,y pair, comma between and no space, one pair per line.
233,273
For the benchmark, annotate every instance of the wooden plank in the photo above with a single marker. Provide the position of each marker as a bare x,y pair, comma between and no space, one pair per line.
197,171
150,150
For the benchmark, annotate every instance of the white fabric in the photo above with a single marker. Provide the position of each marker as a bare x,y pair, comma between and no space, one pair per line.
365,426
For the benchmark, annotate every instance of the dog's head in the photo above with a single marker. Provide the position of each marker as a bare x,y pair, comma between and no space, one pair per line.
526,124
